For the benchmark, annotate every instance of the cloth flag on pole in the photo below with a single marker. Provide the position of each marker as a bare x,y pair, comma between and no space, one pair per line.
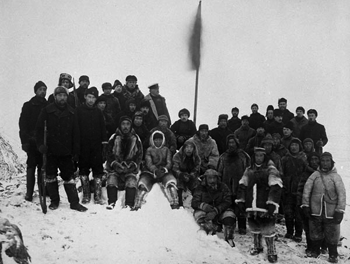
195,40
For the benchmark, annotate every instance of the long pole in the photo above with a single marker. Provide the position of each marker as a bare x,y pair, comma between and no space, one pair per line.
195,98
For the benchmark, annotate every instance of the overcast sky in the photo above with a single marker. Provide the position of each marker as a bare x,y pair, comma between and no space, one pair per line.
253,52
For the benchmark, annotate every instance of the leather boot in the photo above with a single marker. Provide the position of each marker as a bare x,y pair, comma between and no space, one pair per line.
30,184
174,198
228,233
141,192
258,248
333,253
290,228
271,249
52,188
130,194
179,194
112,194
98,191
242,225
73,197
86,189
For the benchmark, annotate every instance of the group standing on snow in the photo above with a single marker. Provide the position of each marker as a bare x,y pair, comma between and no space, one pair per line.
254,169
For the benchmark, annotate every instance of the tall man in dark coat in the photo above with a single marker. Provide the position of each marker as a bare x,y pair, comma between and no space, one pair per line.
277,125
131,90
234,122
65,80
315,131
62,146
244,133
93,138
220,133
29,116
84,83
256,119
286,114
113,106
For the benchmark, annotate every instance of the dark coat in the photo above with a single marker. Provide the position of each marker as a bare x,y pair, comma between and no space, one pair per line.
150,121
142,132
63,137
134,94
121,98
80,91
298,123
70,100
243,134
254,142
256,120
219,135
184,129
234,123
316,132
293,168
275,127
286,116
110,124
268,123
28,118
220,198
112,105
158,106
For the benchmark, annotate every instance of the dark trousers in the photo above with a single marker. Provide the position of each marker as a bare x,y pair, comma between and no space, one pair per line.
63,163
91,158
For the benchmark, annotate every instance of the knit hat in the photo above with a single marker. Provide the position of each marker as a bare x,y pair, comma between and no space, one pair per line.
300,108
145,103
257,150
267,140
84,78
308,140
38,85
106,85
277,112
234,109
289,125
312,111
91,90
154,86
163,117
254,105
184,111
116,83
245,117
131,78
282,100
203,126
65,76
276,135
125,118
60,89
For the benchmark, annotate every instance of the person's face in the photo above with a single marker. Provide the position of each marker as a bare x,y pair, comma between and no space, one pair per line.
326,163
101,105
158,142
254,109
189,149
61,99
203,134
154,91
131,84
90,100
118,88
132,107
314,162
223,123
41,92
312,117
232,146
163,123
308,146
270,114
212,181
260,130
268,148
125,126
184,117
282,105
65,83
276,141
145,110
287,132
300,113
107,91
278,119
259,158
245,122
84,84
294,148
138,121
235,113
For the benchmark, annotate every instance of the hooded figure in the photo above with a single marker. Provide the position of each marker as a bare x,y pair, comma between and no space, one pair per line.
157,168
186,166
212,206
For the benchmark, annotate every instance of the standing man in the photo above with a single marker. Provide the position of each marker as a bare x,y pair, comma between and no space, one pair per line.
256,119
113,106
220,133
124,157
157,102
62,146
315,131
93,138
234,122
65,80
286,114
299,121
131,90
244,133
149,119
29,116
84,83
277,125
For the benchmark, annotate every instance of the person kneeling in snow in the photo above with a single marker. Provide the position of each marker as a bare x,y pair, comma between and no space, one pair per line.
123,163
259,195
157,169
212,206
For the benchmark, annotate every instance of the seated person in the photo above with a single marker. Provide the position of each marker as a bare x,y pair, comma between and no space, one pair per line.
183,128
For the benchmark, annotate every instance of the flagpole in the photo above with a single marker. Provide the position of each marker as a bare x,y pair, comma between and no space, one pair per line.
196,97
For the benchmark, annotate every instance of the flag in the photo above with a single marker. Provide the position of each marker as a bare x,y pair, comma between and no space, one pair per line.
195,40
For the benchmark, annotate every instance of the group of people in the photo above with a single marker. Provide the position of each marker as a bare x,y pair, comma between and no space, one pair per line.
247,169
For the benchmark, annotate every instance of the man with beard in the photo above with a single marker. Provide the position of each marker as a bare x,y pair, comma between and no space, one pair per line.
148,118
207,148
324,201
183,128
234,122
170,139
220,133
157,102
212,206
93,139
131,90
113,106
244,133
29,116
123,163
231,167
259,195
186,166
315,131
286,114
65,80
256,119
84,83
299,121
62,146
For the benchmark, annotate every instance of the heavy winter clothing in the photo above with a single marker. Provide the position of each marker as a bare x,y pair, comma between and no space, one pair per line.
286,116
256,120
70,100
133,94
275,127
285,141
316,132
158,106
112,105
170,139
254,142
234,123
298,123
122,100
219,135
183,131
80,92
243,134
126,111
